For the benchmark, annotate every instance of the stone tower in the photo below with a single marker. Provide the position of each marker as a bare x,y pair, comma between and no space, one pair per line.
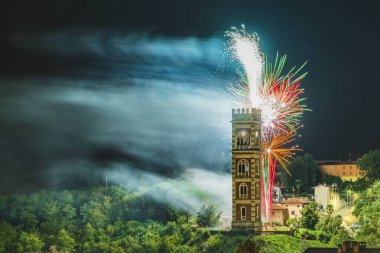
246,170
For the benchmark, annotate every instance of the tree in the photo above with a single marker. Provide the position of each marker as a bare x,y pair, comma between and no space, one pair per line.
208,216
95,213
367,209
29,242
8,235
341,236
303,172
64,241
330,179
310,215
329,225
369,164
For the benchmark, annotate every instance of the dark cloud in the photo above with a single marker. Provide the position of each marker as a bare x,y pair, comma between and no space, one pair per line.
142,103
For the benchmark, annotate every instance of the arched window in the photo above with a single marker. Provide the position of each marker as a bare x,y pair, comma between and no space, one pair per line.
243,191
243,168
243,213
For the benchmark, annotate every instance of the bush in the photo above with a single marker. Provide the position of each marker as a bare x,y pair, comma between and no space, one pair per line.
322,236
248,246
306,234
208,216
340,237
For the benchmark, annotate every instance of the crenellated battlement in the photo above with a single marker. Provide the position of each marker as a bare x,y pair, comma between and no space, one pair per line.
246,114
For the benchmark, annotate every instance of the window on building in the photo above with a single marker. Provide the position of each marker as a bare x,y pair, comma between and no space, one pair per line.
243,191
298,205
243,168
243,212
344,173
272,212
293,212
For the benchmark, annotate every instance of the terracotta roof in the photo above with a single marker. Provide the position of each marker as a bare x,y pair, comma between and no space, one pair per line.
278,207
295,201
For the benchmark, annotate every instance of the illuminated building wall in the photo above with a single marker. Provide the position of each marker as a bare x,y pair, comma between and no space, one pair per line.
345,170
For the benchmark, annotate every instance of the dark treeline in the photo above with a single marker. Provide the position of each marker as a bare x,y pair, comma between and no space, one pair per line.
100,220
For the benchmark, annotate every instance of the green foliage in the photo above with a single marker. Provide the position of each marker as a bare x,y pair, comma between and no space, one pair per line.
208,216
115,220
370,234
329,209
111,220
341,236
367,209
331,179
64,241
306,234
322,236
329,224
293,223
29,242
369,164
248,246
8,235
310,215
285,243
303,171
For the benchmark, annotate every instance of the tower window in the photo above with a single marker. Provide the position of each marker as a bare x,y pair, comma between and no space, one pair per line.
243,212
243,168
243,191
243,139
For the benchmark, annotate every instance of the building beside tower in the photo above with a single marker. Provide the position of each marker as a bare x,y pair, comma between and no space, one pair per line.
246,169
347,171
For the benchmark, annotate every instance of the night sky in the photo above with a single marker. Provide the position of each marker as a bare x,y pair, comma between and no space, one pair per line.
89,86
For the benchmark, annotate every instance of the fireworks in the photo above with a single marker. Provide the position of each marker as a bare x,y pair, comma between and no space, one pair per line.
262,85
245,47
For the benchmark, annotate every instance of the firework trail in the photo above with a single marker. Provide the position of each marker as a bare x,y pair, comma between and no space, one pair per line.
262,85
245,47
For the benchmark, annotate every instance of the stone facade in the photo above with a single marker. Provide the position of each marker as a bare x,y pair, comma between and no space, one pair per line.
246,172
279,215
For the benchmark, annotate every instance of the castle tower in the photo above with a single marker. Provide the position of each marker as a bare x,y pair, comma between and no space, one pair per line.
246,170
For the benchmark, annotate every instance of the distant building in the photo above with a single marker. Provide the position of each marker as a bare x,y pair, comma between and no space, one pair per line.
279,215
328,195
345,170
294,206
